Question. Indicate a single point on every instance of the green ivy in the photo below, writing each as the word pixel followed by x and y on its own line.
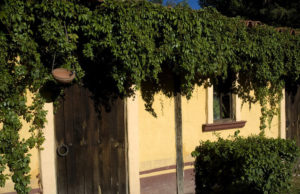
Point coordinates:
pixel 117 47
pixel 249 165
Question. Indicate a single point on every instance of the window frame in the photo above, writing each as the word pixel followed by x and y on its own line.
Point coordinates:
pixel 223 123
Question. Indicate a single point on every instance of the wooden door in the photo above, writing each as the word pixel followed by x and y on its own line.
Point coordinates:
pixel 293 116
pixel 91 147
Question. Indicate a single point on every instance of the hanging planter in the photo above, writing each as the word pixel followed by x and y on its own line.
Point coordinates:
pixel 63 75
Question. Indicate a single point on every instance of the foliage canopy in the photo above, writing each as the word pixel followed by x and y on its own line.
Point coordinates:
pixel 118 47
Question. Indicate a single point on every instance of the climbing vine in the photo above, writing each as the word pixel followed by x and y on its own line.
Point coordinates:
pixel 117 47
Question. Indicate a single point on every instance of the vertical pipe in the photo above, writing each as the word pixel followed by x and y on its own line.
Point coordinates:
pixel 178 134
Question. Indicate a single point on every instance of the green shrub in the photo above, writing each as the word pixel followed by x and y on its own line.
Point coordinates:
pixel 245 165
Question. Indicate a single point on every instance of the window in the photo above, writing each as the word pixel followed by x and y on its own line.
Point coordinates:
pixel 223 104
pixel 223 108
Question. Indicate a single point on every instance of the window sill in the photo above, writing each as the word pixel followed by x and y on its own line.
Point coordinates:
pixel 221 126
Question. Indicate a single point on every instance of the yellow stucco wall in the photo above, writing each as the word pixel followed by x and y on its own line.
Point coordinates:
pixel 157 135
pixel 34 163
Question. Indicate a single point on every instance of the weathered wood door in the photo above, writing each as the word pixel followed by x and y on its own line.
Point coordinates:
pixel 293 116
pixel 91 148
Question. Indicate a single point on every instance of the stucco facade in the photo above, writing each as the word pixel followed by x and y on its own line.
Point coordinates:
pixel 151 140
pixel 157 134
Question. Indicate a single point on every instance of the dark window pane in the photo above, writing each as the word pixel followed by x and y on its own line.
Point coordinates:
pixel 225 107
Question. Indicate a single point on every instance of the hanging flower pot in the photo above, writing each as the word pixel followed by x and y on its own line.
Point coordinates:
pixel 63 75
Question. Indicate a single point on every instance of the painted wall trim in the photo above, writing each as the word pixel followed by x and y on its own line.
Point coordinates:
pixel 165 168
pixel 210 98
pixel 282 131
pixel 238 107
pixel 165 183
pixel 48 154
pixel 133 144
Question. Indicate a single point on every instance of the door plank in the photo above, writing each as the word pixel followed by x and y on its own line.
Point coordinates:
pixel 71 161
pixel 80 113
pixel 61 161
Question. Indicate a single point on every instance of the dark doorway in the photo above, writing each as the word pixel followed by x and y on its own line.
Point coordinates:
pixel 293 116
pixel 91 147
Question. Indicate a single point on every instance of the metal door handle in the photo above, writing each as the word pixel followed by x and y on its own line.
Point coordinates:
pixel 62 150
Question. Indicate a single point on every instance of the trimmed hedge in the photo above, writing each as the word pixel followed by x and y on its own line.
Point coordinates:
pixel 254 164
